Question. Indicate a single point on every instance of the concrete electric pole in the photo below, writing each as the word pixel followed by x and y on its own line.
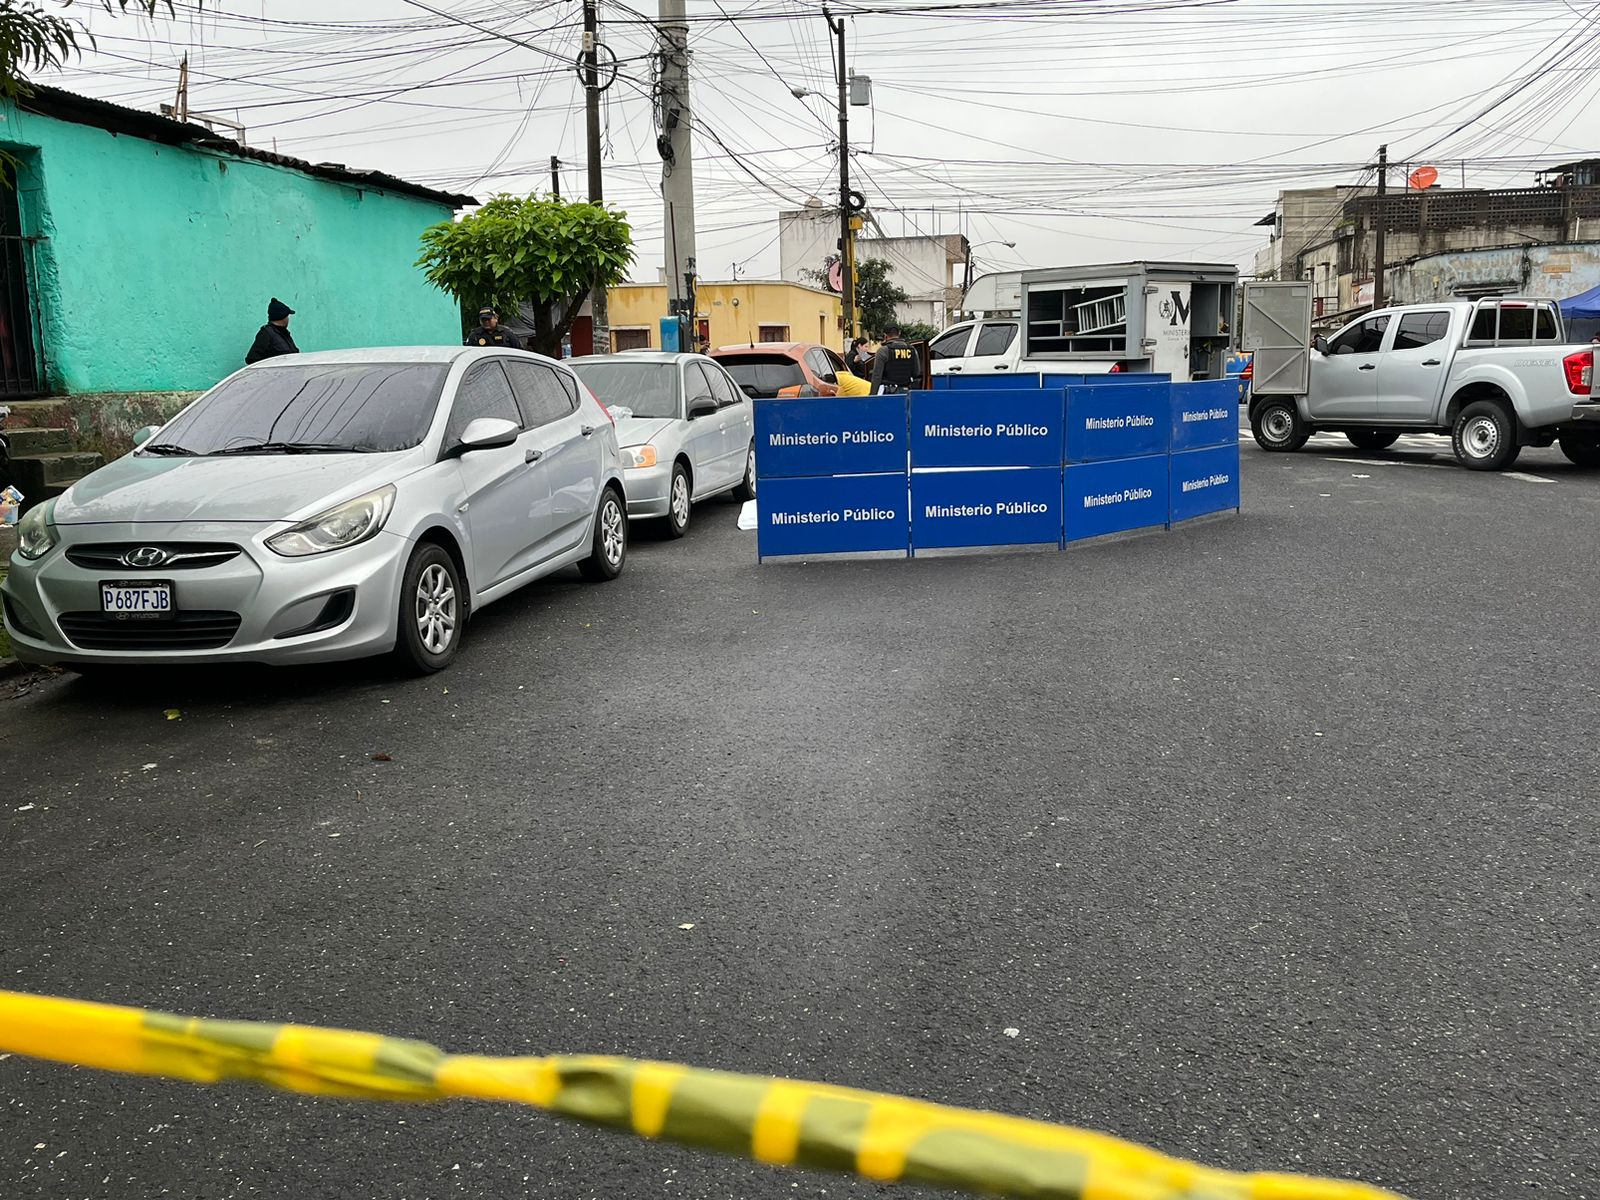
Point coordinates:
pixel 675 142
pixel 591 91
pixel 1378 241
pixel 847 240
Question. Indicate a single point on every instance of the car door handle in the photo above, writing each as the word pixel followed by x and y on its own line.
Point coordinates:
pixel 588 430
pixel 955 370
pixel 533 456
pixel 1003 367
pixel 1367 367
pixel 1430 362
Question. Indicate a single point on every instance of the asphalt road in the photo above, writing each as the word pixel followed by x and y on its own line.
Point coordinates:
pixel 1274 837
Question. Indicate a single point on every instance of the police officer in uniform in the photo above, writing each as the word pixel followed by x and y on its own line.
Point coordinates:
pixel 896 367
pixel 489 332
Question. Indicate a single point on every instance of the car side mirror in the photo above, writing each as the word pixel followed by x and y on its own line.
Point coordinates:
pixel 141 436
pixel 487 433
pixel 701 406
pixel 1321 345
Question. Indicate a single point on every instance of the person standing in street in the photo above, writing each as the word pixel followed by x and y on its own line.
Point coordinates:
pixel 491 333
pixel 273 339
pixel 858 358
pixel 896 367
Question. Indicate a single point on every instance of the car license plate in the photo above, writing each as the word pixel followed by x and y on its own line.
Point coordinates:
pixel 143 600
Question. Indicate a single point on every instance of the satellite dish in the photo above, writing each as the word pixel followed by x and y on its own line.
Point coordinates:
pixel 836 275
pixel 1424 177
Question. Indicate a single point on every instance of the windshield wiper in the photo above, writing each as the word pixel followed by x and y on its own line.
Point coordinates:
pixel 171 448
pixel 292 448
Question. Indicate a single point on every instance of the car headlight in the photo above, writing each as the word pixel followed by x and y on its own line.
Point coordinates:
pixel 349 524
pixel 638 456
pixel 36 536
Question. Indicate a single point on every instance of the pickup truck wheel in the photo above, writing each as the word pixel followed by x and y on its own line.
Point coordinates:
pixel 1277 426
pixel 1585 452
pixel 1373 439
pixel 1484 437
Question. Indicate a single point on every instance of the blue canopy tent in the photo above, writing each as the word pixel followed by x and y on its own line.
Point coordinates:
pixel 1581 315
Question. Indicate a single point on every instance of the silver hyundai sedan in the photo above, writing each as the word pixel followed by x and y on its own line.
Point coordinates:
pixel 325 506
pixel 686 429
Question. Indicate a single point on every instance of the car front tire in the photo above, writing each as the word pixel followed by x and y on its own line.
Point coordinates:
pixel 433 610
pixel 1277 427
pixel 610 550
pixel 680 502
pixel 747 487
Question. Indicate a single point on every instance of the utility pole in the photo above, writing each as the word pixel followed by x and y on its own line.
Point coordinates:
pixel 847 240
pixel 555 177
pixel 1378 246
pixel 674 141
pixel 591 90
pixel 180 104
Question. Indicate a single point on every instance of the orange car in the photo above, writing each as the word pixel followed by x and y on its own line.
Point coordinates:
pixel 782 370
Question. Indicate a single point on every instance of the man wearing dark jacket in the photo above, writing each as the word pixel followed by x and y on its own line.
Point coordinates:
pixel 273 339
pixel 896 366
pixel 491 333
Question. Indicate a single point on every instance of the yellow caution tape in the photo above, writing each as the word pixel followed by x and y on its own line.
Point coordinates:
pixel 779 1121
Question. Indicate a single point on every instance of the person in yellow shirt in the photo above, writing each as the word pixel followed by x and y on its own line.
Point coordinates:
pixel 853 385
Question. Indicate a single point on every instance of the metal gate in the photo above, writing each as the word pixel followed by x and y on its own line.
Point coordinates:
pixel 1277 331
pixel 20 377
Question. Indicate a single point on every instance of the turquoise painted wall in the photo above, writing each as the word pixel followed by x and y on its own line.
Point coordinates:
pixel 158 261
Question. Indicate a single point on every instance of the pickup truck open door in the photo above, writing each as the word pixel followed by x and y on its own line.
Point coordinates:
pixel 1277 331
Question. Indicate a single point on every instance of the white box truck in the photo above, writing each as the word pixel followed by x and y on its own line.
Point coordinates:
pixel 1173 318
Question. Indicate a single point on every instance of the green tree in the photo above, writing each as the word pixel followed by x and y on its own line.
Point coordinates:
pixel 536 250
pixel 32 39
pixel 918 331
pixel 877 294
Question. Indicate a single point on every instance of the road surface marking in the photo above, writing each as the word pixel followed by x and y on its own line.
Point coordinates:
pixel 1386 462
pixel 1525 477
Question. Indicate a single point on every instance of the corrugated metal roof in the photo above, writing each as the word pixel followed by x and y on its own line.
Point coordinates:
pixel 114 118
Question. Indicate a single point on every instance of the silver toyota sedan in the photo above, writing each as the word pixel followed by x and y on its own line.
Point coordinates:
pixel 325 506
pixel 687 432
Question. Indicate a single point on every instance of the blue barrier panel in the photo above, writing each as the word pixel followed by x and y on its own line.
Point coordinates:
pixel 1111 497
pixel 1017 507
pixel 832 515
pixel 1205 481
pixel 863 435
pixel 1205 414
pixel 1004 428
pixel 989 379
pixel 1110 379
pixel 1118 422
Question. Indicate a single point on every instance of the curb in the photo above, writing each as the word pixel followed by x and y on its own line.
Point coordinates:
pixel 10 667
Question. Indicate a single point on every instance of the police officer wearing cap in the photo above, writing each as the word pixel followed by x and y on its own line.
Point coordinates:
pixel 896 367
pixel 489 332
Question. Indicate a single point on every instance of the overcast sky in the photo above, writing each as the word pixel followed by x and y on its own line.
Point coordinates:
pixel 1082 130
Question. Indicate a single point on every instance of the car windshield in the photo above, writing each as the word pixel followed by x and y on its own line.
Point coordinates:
pixel 763 375
pixel 327 408
pixel 649 389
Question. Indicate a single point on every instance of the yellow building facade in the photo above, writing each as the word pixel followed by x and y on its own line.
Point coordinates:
pixel 728 314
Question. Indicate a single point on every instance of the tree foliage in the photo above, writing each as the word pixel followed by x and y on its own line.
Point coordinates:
pixel 877 295
pixel 536 250
pixel 919 331
pixel 33 39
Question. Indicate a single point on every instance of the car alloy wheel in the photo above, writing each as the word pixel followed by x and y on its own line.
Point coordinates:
pixel 680 500
pixel 750 471
pixel 613 533
pixel 436 609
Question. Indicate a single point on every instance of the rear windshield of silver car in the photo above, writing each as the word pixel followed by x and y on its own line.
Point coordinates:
pixel 331 407
pixel 649 389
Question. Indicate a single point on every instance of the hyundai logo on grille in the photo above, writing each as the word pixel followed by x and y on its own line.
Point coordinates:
pixel 145 557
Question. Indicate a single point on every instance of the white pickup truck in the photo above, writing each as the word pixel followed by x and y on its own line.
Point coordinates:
pixel 1492 375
